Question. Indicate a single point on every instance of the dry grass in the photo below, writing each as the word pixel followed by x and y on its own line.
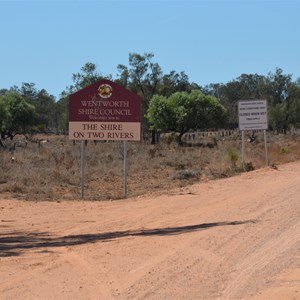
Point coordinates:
pixel 52 170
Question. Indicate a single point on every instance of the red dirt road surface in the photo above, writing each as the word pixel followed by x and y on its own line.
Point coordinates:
pixel 235 238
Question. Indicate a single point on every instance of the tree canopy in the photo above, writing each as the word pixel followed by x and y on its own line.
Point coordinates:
pixel 17 114
pixel 167 96
pixel 183 111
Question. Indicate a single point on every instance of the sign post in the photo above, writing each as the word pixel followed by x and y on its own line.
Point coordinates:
pixel 243 148
pixel 125 169
pixel 266 148
pixel 253 116
pixel 82 169
pixel 104 111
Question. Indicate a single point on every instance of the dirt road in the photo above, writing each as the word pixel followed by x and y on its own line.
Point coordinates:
pixel 236 238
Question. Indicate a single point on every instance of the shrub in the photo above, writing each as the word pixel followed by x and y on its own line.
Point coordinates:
pixel 232 156
pixel 284 150
pixel 185 174
pixel 249 166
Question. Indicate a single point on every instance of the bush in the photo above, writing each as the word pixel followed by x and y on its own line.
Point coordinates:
pixel 185 174
pixel 249 167
pixel 232 156
pixel 284 150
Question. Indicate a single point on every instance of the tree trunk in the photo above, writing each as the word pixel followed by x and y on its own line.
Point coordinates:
pixel 179 138
pixel 153 137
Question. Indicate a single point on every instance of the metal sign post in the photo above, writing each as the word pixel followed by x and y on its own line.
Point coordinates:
pixel 125 169
pixel 266 148
pixel 243 148
pixel 82 169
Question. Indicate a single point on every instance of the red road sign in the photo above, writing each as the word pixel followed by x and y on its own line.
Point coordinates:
pixel 104 111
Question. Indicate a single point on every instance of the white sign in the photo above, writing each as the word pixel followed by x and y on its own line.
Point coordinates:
pixel 129 131
pixel 253 115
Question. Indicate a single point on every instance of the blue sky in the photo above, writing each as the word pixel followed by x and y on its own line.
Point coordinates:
pixel 45 42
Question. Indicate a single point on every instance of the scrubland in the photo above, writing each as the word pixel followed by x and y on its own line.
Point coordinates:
pixel 47 167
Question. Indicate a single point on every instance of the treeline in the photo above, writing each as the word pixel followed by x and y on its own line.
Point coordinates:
pixel 166 99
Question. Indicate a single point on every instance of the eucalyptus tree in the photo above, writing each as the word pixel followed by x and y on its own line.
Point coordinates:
pixel 279 90
pixel 44 103
pixel 88 75
pixel 245 87
pixel 294 92
pixel 145 76
pixel 123 77
pixel 18 114
pixel 276 87
pixel 28 91
pixel 176 82
pixel 5 117
pixel 182 111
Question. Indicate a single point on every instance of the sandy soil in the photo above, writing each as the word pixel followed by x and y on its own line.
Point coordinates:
pixel 235 238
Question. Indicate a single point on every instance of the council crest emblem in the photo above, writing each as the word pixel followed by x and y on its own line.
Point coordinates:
pixel 105 90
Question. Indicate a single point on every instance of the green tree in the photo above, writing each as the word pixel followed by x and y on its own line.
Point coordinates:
pixel 28 91
pixel 3 92
pixel 278 90
pixel 245 87
pixel 45 108
pixel 21 115
pixel 294 104
pixel 62 114
pixel 123 76
pixel 88 75
pixel 43 103
pixel 5 117
pixel 285 115
pixel 145 76
pixel 276 87
pixel 175 82
pixel 276 117
pixel 184 111
pixel 142 77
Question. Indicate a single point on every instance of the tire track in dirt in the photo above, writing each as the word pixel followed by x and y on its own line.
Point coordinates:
pixel 78 270
pixel 187 265
pixel 262 257
pixel 87 269
pixel 263 211
pixel 276 216
pixel 35 269
pixel 144 271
